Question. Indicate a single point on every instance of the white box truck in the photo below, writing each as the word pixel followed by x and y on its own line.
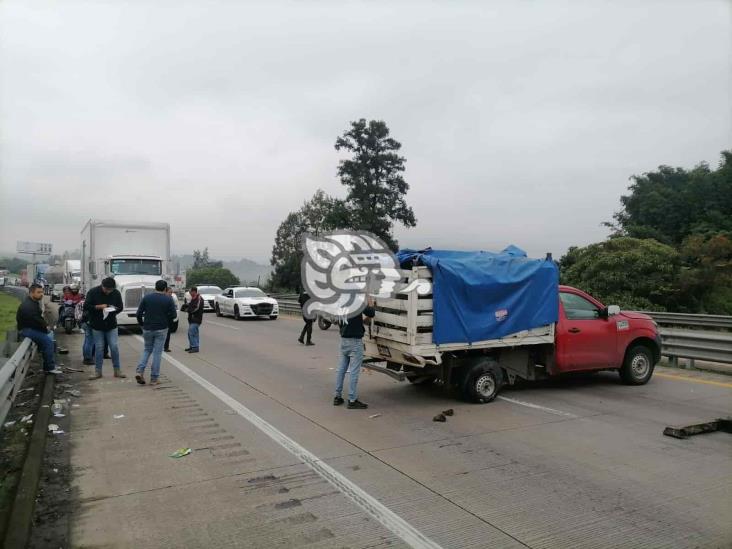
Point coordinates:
pixel 72 271
pixel 135 254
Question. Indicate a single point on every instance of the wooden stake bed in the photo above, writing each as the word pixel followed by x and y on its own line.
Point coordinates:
pixel 401 331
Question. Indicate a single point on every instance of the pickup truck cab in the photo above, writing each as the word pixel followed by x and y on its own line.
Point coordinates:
pixel 246 302
pixel 588 336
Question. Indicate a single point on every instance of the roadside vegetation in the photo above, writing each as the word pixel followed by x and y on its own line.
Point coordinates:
pixel 8 307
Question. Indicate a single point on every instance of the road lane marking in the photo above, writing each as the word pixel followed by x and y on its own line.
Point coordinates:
pixel 222 325
pixel 537 407
pixel 694 380
pixel 390 520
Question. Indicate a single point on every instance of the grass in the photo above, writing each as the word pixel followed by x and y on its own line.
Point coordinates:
pixel 8 307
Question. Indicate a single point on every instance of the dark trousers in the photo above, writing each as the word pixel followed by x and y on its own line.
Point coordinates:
pixel 172 327
pixel 307 329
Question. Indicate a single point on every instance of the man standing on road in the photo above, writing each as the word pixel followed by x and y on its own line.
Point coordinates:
pixel 308 328
pixel 351 356
pixel 195 318
pixel 155 313
pixel 32 325
pixel 102 305
pixel 173 326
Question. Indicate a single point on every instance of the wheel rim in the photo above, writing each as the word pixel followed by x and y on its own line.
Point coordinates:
pixel 485 385
pixel 640 366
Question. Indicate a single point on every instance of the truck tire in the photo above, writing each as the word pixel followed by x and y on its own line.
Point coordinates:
pixel 218 310
pixel 481 382
pixel 638 365
pixel 69 325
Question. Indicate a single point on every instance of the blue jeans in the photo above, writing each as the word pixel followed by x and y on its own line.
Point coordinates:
pixel 351 355
pixel 193 339
pixel 110 337
pixel 154 340
pixel 44 340
pixel 87 349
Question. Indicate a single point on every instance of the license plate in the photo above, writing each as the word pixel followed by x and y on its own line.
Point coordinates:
pixel 384 350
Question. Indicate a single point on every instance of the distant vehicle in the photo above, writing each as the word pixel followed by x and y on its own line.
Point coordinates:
pixel 57 292
pixel 245 302
pixel 208 293
pixel 72 271
pixel 136 254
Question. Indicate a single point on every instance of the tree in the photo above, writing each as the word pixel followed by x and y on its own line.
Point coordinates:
pixel 630 272
pixel 373 176
pixel 706 276
pixel 201 260
pixel 215 276
pixel 321 213
pixel 673 203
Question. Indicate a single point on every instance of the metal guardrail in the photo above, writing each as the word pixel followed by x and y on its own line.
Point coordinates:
pixel 12 374
pixel 678 320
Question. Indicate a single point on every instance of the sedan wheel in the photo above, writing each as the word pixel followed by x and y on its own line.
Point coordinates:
pixel 236 312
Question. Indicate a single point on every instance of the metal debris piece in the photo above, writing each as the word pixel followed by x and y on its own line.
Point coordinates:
pixel 686 431
pixel 440 417
pixel 181 452
pixel 374 415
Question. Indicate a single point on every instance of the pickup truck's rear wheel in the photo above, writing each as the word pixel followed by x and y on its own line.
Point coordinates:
pixel 236 312
pixel 638 366
pixel 481 382
pixel 218 310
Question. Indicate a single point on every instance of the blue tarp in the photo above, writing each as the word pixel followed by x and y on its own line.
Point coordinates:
pixel 484 295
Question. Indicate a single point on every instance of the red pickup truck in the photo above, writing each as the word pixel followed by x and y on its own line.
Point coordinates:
pixel 587 337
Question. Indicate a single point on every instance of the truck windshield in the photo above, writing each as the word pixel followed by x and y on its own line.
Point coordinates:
pixel 135 266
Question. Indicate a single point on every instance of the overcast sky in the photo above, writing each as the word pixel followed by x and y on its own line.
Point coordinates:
pixel 520 121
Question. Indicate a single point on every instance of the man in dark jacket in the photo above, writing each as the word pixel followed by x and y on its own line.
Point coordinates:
pixel 32 325
pixel 155 313
pixel 195 318
pixel 102 305
pixel 308 328
pixel 351 357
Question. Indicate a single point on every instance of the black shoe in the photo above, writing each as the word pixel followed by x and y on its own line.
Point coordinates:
pixel 337 401
pixel 167 350
pixel 107 357
pixel 187 349
pixel 300 340
pixel 88 362
pixel 194 350
pixel 140 379
pixel 357 405
pixel 309 343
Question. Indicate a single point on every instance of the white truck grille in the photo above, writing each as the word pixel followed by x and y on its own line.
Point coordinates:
pixel 131 297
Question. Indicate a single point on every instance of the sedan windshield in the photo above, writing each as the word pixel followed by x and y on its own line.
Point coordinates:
pixel 208 290
pixel 252 292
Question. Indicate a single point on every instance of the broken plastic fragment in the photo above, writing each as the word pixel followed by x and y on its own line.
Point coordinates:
pixel 9 424
pixel 118 416
pixel 53 427
pixel 374 415
pixel 181 452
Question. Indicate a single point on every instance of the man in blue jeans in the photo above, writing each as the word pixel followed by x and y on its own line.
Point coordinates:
pixel 155 313
pixel 102 304
pixel 351 356
pixel 32 325
pixel 195 318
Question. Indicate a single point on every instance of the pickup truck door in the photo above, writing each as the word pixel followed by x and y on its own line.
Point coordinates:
pixel 585 340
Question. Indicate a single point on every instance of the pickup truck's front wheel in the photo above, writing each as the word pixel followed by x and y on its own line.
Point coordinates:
pixel 637 368
pixel 481 382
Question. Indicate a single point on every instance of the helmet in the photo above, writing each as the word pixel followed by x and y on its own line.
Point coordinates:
pixel 74 288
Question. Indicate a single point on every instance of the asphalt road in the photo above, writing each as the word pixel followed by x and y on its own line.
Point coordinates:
pixel 574 463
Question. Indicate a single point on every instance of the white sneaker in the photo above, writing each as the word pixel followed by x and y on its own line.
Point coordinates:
pixel 55 371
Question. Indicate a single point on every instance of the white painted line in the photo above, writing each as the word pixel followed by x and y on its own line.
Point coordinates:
pixel 222 325
pixel 390 520
pixel 537 407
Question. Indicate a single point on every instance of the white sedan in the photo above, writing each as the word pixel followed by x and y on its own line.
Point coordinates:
pixel 208 293
pixel 244 302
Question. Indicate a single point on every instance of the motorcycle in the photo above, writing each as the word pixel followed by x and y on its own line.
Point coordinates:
pixel 67 316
